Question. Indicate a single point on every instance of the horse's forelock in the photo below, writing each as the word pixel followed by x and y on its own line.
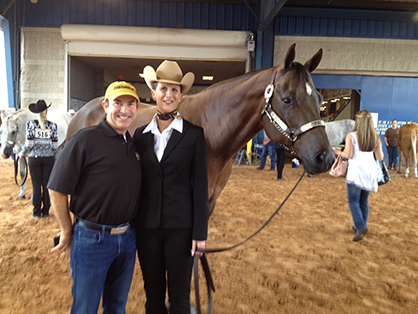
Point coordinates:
pixel 300 71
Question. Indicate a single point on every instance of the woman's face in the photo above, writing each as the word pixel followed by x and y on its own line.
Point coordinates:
pixel 43 114
pixel 167 96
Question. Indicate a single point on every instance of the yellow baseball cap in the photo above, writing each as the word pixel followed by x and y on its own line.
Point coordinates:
pixel 120 88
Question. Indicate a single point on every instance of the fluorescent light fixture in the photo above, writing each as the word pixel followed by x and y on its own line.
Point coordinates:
pixel 207 78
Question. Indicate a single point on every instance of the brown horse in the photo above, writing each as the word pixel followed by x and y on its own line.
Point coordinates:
pixel 407 145
pixel 234 111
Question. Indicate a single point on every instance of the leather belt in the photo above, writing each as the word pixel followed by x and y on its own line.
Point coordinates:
pixel 111 230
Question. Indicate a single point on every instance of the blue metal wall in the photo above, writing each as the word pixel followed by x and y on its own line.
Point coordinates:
pixel 346 27
pixel 390 97
pixel 221 16
pixel 197 15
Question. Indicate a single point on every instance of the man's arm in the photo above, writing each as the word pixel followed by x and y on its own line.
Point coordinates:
pixel 59 203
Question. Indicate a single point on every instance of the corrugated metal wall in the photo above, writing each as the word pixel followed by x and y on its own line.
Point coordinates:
pixel 197 15
pixel 201 15
pixel 346 27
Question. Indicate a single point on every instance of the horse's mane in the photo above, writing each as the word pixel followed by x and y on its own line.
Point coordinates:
pixel 236 80
pixel 299 69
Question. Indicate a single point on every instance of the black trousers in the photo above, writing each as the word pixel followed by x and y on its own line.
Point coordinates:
pixel 164 255
pixel 40 169
pixel 281 160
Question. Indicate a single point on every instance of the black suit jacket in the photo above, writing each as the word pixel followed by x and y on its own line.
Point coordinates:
pixel 175 190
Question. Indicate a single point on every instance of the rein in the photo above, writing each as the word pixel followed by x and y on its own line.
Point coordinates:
pixel 16 166
pixel 290 133
pixel 205 265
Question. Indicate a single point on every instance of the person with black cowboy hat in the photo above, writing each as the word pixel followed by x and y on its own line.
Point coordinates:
pixel 41 146
pixel 172 221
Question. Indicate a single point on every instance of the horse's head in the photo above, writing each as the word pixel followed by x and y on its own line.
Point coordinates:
pixel 293 115
pixel 9 134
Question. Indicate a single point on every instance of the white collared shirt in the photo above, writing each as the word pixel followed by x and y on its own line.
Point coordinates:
pixel 161 139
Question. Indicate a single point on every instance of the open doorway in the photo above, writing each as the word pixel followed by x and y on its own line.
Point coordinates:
pixel 339 104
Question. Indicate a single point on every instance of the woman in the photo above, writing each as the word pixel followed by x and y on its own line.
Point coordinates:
pixel 172 221
pixel 362 147
pixel 41 146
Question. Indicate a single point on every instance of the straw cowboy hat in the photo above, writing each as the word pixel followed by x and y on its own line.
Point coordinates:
pixel 169 72
pixel 39 107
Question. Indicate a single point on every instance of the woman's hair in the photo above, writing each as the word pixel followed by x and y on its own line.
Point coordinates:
pixel 42 119
pixel 155 84
pixel 366 133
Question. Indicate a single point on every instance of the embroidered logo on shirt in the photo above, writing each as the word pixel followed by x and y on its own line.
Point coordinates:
pixel 138 157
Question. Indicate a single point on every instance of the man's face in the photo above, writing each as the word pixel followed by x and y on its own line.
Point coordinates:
pixel 394 124
pixel 121 112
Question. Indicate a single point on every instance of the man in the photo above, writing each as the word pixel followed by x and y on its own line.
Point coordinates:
pixel 391 140
pixel 268 148
pixel 101 169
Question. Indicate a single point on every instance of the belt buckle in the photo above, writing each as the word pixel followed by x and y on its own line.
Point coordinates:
pixel 119 230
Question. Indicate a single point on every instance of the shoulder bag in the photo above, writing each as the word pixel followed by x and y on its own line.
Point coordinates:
pixel 339 168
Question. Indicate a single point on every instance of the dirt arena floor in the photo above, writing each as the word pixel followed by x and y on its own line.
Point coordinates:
pixel 304 261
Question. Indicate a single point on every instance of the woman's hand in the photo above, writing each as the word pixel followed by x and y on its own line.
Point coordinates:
pixel 337 150
pixel 198 246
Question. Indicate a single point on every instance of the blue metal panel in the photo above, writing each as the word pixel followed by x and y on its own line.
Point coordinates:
pixel 197 15
pixel 363 28
pixel 164 16
pixel 322 81
pixel 300 22
pixel 221 16
pixel 315 26
pixel 339 27
pixel 324 28
pixel 345 27
pixel 405 99
pixel 355 28
pixel 376 96
pixel 8 55
pixel 204 19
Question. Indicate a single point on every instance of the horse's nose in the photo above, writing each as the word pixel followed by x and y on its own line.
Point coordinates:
pixel 325 159
pixel 3 156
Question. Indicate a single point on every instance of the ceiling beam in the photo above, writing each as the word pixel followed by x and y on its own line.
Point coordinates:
pixel 266 20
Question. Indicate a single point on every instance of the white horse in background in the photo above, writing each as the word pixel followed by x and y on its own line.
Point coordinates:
pixel 13 134
pixel 338 130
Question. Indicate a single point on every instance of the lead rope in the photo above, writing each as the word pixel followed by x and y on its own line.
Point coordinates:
pixel 16 166
pixel 205 265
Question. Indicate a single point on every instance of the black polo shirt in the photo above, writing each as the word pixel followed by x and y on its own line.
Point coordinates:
pixel 102 173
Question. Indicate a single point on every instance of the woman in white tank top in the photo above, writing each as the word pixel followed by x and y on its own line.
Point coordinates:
pixel 362 147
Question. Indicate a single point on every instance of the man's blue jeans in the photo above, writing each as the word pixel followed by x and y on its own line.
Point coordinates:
pixel 393 156
pixel 269 148
pixel 358 201
pixel 102 265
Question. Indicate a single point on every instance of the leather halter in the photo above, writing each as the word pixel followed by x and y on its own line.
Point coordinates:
pixel 290 133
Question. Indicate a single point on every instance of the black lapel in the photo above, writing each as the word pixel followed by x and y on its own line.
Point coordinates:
pixel 149 142
pixel 174 139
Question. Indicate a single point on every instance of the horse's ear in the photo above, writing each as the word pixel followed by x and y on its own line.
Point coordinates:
pixel 314 61
pixel 290 56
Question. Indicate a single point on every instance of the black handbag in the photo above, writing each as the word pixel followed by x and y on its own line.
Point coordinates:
pixel 382 172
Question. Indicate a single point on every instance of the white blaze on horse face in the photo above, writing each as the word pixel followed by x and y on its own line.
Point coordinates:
pixel 308 89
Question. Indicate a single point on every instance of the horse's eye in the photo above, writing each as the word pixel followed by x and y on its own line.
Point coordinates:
pixel 287 101
pixel 13 132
